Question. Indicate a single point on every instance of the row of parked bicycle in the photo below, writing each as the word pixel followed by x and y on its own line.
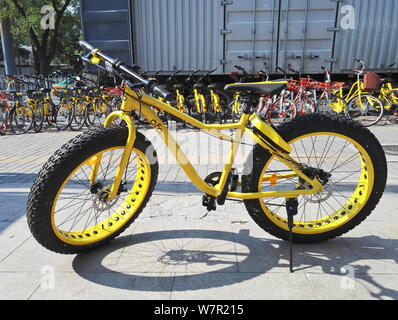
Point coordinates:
pixel 75 104
pixel 70 105
pixel 366 100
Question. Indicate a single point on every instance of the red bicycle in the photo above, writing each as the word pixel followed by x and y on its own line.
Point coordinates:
pixel 300 93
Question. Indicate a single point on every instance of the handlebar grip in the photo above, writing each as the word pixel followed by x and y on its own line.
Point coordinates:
pixel 162 92
pixel 86 45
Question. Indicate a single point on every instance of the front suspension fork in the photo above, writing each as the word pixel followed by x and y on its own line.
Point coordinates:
pixel 95 162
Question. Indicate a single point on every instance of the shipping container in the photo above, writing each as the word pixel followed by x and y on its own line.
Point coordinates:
pixel 107 25
pixel 303 35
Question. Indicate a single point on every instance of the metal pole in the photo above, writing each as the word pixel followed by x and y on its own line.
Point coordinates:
pixel 272 35
pixel 303 40
pixel 8 51
pixel 286 31
pixel 254 33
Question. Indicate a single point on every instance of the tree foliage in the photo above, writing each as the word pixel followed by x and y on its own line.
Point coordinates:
pixel 49 44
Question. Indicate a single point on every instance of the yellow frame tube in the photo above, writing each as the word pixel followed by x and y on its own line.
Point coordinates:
pixel 126 153
pixel 142 103
pixel 280 176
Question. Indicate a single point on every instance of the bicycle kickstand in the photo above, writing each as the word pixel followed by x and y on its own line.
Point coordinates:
pixel 291 208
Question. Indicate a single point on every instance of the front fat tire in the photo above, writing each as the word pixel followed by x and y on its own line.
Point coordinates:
pixel 56 172
pixel 276 224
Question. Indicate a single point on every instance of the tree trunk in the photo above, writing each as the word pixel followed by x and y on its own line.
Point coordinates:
pixel 36 60
pixel 44 65
pixel 42 62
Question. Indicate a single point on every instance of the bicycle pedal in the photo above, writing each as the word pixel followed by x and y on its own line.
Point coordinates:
pixel 209 202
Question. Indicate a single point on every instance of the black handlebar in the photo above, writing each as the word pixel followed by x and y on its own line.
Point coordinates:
pixel 361 63
pixel 281 70
pixel 292 70
pixel 211 71
pixel 150 85
pixel 241 69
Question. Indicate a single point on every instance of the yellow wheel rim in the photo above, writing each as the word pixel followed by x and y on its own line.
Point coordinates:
pixel 80 217
pixel 345 194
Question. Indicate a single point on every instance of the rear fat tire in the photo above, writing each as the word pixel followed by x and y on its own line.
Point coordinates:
pixel 300 126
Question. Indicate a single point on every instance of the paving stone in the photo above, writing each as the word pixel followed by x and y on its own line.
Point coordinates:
pixel 176 250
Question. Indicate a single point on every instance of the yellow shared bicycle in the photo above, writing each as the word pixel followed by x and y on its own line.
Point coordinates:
pixel 362 105
pixel 312 178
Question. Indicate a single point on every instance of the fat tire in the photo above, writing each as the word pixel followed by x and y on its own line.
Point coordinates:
pixel 310 123
pixel 56 170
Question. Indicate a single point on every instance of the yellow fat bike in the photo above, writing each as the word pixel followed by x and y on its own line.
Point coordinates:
pixel 313 178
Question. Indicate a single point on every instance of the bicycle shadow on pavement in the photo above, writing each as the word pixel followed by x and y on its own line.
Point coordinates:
pixel 13 197
pixel 16 177
pixel 185 260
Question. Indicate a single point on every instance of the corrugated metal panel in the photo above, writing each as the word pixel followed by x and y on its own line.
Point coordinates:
pixel 280 33
pixel 106 25
pixel 252 41
pixel 188 34
pixel 373 37
pixel 305 42
pixel 178 34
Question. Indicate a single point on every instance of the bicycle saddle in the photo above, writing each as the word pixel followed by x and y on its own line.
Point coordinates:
pixel 45 90
pixel 384 80
pixel 178 86
pixel 198 85
pixel 270 88
pixel 33 94
pixel 212 86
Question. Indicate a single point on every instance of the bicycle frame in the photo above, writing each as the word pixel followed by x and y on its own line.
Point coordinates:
pixel 383 95
pixel 355 91
pixel 180 101
pixel 199 98
pixel 235 108
pixel 142 103
pixel 215 101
